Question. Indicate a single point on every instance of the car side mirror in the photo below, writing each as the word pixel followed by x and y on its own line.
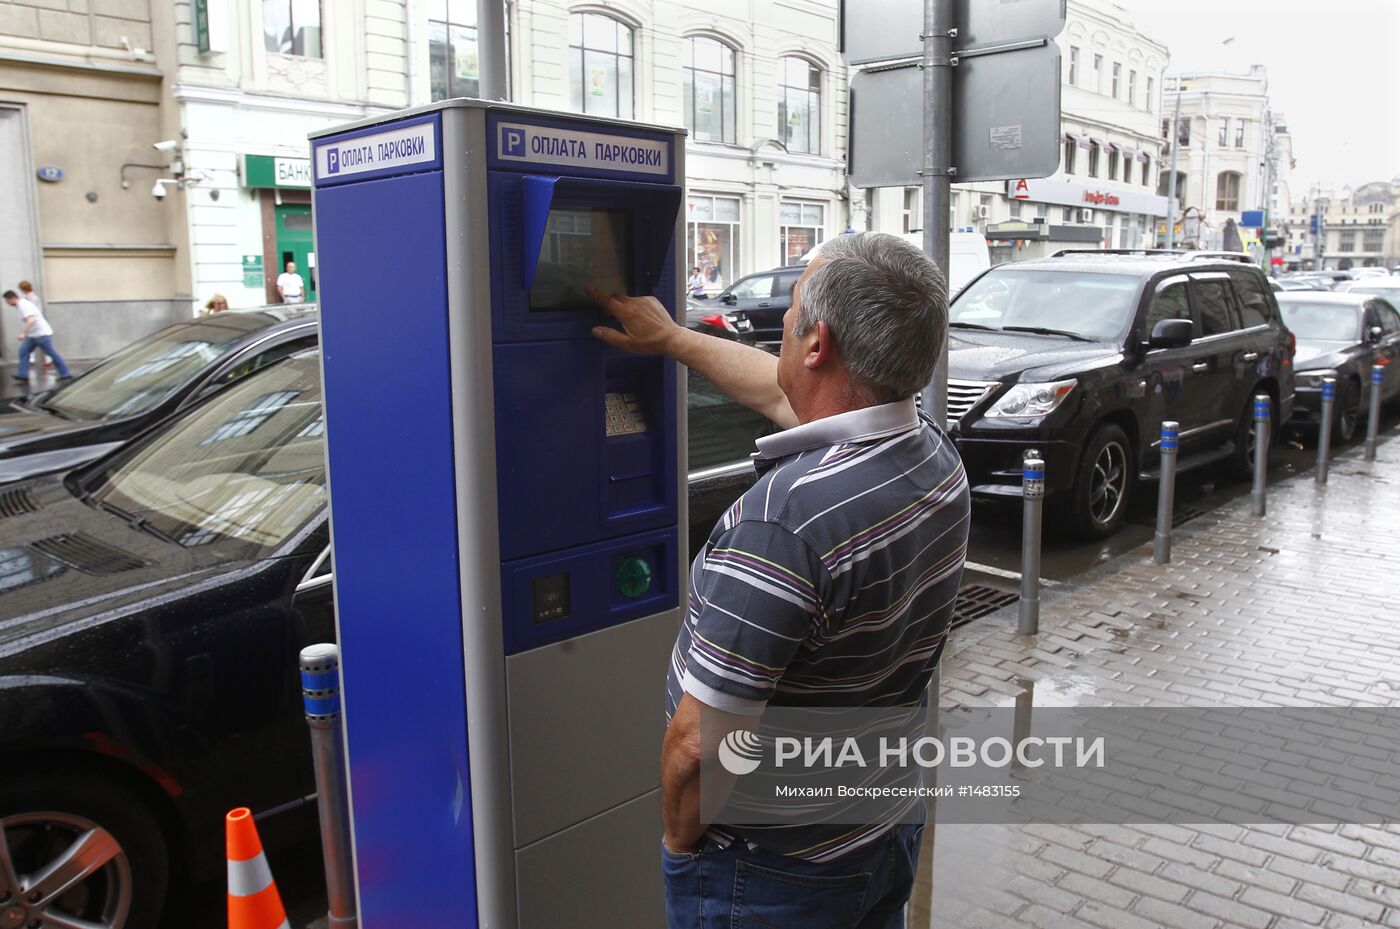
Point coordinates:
pixel 1172 333
pixel 729 298
pixel 1374 334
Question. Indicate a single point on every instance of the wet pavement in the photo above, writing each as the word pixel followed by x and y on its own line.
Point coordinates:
pixel 1296 609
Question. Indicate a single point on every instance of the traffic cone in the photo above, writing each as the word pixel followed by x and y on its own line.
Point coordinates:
pixel 253 901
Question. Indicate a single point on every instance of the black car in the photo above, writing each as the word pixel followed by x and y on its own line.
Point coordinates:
pixel 152 606
pixel 1341 336
pixel 718 320
pixel 146 381
pixel 1083 356
pixel 764 298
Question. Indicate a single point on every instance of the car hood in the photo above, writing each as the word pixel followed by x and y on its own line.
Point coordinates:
pixel 997 356
pixel 62 561
pixel 1319 353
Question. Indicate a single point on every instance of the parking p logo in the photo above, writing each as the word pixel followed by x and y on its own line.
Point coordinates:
pixel 333 161
pixel 512 142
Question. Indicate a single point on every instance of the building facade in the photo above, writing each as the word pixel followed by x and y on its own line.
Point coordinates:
pixel 1360 228
pixel 1104 193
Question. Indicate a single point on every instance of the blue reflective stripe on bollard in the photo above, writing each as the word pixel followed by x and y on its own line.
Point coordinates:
pixel 321 705
pixel 1033 474
pixel 320 680
pixel 1329 390
pixel 1377 374
pixel 1261 409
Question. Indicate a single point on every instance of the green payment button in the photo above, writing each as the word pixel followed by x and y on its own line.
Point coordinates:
pixel 633 576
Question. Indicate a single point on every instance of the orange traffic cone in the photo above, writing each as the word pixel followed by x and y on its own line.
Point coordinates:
pixel 253 901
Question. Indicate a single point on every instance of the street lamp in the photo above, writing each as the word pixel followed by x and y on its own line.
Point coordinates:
pixel 1176 144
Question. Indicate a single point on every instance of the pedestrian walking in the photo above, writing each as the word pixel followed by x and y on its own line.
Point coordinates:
pixel 217 304
pixel 290 287
pixel 26 290
pixel 697 283
pixel 829 584
pixel 35 333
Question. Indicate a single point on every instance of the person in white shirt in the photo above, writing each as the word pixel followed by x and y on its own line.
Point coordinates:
pixel 697 283
pixel 35 332
pixel 290 286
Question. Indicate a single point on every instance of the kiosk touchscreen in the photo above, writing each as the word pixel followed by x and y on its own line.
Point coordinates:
pixel 507 505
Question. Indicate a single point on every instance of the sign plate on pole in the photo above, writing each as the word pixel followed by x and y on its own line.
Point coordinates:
pixel 888 30
pixel 994 22
pixel 1006 120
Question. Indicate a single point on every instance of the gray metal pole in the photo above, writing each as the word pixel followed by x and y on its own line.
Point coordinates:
pixel 1373 421
pixel 320 689
pixel 1171 182
pixel 1324 429
pixel 938 152
pixel 491 48
pixel 1033 492
pixel 1262 422
pixel 1166 493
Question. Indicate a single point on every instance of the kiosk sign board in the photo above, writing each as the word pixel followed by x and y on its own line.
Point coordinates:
pixel 508 540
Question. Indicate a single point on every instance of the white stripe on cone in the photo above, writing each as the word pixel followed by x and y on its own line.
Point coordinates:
pixel 246 878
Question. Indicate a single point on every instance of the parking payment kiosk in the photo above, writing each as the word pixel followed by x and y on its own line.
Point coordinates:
pixel 507 506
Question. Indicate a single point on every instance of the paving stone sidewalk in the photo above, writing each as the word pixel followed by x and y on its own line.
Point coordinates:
pixel 1296 609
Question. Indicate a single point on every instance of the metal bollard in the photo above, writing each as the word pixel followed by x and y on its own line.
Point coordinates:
pixel 1324 434
pixel 1166 493
pixel 320 689
pixel 1033 491
pixel 1262 422
pixel 1373 422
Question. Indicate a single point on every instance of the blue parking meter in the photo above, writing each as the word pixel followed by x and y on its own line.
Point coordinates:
pixel 506 507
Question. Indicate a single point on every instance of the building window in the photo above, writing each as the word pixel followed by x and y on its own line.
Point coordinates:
pixel 1040 210
pixel 1098 74
pixel 1073 65
pixel 1227 191
pixel 1117 77
pixel 1094 159
pixel 801 227
pixel 1149 103
pixel 292 27
pixel 1239 133
pixel 1132 88
pixel 1112 163
pixel 1068 214
pixel 712 238
pixel 1183 132
pixel 1071 147
pixel 1127 168
pixel 454 67
pixel 1015 209
pixel 1147 172
pixel 800 105
pixel 1372 240
pixel 1346 241
pixel 600 65
pixel 708 71
pixel 1224 132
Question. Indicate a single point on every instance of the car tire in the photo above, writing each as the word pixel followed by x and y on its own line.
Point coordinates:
pixel 1241 461
pixel 1347 416
pixel 50 813
pixel 1098 501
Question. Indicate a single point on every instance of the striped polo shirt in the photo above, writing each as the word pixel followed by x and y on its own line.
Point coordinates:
pixel 829 583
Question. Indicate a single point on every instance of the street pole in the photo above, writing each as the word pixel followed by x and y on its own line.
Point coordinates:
pixel 1320 237
pixel 1171 182
pixel 938 152
pixel 491 48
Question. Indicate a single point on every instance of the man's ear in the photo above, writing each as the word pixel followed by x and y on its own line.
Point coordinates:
pixel 820 347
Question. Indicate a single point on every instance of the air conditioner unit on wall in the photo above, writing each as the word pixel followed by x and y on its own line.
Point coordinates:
pixel 1086 216
pixel 983 212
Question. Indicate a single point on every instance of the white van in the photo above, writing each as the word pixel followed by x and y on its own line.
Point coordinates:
pixel 967 254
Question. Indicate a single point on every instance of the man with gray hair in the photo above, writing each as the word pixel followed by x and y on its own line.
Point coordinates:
pixel 830 583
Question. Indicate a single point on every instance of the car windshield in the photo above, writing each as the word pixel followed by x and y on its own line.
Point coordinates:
pixel 1325 322
pixel 1087 304
pixel 145 372
pixel 247 467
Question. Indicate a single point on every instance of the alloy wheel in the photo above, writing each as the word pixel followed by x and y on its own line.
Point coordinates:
pixel 1108 482
pixel 61 871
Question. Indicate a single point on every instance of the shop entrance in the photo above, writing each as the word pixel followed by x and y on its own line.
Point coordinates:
pixel 295 243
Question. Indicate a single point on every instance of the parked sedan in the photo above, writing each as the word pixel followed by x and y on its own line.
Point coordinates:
pixel 764 298
pixel 1342 336
pixel 717 320
pixel 141 384
pixel 152 606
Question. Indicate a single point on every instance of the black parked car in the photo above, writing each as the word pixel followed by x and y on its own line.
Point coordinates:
pixel 764 298
pixel 146 381
pixel 152 606
pixel 1083 356
pixel 1341 335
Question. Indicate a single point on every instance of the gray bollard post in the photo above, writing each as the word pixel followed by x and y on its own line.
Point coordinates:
pixel 1324 429
pixel 1373 421
pixel 1262 422
pixel 1033 491
pixel 320 689
pixel 1166 493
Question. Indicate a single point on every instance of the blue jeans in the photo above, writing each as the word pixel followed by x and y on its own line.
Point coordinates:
pixel 44 343
pixel 742 888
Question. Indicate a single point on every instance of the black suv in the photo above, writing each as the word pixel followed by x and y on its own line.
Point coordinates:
pixel 1082 355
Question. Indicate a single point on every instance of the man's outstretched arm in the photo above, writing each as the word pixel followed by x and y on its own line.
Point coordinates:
pixel 746 375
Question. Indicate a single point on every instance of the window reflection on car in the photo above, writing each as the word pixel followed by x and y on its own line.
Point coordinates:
pixel 246 468
pixel 145 372
pixel 1076 303
pixel 1322 322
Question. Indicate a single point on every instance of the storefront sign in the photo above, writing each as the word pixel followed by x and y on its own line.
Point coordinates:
pixel 253 271
pixel 1068 193
pixel 275 171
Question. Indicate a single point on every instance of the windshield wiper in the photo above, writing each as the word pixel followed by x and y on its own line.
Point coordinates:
pixel 961 325
pixel 138 522
pixel 50 408
pixel 1041 330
